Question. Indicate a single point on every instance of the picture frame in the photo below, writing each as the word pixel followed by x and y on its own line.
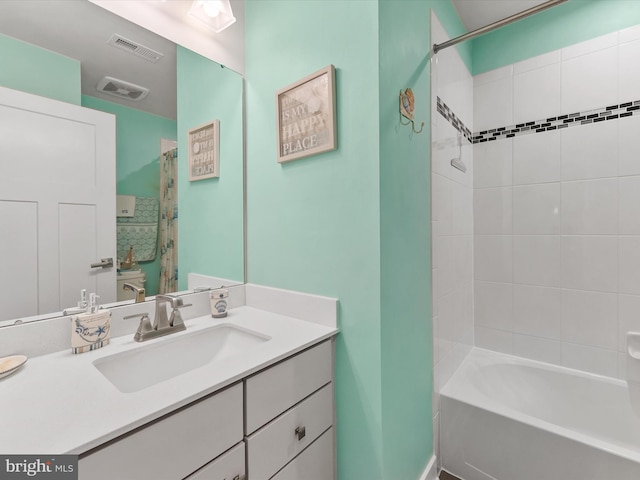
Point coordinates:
pixel 203 144
pixel 306 116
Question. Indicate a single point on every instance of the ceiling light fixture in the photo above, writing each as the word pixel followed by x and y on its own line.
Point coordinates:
pixel 215 14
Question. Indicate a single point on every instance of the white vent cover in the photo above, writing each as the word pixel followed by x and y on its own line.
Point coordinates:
pixel 122 89
pixel 130 46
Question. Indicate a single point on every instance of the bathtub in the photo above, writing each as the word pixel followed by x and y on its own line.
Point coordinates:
pixel 508 418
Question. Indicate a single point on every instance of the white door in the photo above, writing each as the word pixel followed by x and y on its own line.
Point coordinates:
pixel 57 204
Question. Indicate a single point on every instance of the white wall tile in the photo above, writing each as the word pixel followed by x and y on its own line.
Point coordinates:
pixel 536 209
pixel 535 348
pixel 494 305
pixel 590 151
pixel 539 61
pixel 493 164
pixel 462 259
pixel 629 146
pixel 590 263
pixel 493 104
pixel 493 75
pixel 590 359
pixel 590 81
pixel 492 211
pixel 629 71
pixel 441 203
pixel 629 265
pixel 629 34
pixel 629 206
pixel 590 207
pixel 536 260
pixel 590 318
pixel 492 256
pixel 536 94
pixel 628 318
pixel 593 45
pixel 537 311
pixel 461 209
pixel 496 340
pixel 536 158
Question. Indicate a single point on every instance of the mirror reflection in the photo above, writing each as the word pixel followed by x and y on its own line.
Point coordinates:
pixel 160 228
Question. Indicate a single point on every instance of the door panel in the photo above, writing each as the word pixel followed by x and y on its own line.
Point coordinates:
pixel 60 159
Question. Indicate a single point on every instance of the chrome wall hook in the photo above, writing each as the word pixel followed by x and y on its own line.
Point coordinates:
pixel 406 109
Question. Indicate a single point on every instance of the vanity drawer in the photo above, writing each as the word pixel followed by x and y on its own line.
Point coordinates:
pixel 315 463
pixel 172 447
pixel 229 466
pixel 271 392
pixel 277 443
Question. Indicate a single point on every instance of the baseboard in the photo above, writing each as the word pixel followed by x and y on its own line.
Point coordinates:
pixel 431 470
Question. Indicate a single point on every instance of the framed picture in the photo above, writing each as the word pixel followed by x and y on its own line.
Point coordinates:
pixel 204 151
pixel 306 116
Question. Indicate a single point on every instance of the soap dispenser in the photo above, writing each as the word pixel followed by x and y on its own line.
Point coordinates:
pixel 90 330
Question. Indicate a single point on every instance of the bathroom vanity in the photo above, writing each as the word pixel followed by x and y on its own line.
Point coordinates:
pixel 249 396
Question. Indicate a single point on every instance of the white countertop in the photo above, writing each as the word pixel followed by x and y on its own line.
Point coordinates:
pixel 60 403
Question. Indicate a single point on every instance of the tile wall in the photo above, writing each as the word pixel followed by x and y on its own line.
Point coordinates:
pixel 556 211
pixel 452 214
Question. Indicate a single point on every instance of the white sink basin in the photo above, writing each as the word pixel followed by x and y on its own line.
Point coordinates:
pixel 169 357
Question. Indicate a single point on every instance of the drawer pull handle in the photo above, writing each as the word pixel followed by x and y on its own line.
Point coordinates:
pixel 301 432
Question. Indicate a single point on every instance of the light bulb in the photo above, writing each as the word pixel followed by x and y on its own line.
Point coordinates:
pixel 211 8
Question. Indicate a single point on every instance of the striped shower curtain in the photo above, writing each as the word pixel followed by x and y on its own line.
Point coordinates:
pixel 168 222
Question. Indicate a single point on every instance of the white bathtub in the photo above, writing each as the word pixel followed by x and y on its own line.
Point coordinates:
pixel 508 418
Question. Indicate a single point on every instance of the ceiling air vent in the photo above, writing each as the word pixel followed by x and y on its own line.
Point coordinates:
pixel 130 46
pixel 122 89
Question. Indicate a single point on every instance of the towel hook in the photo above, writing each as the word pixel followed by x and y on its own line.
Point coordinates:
pixel 406 109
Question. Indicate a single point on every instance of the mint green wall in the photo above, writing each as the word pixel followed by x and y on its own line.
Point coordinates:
pixel 406 340
pixel 558 27
pixel 138 137
pixel 211 232
pixel 35 70
pixel 313 224
pixel 353 223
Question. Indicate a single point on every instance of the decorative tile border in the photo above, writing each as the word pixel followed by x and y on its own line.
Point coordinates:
pixel 451 117
pixel 610 112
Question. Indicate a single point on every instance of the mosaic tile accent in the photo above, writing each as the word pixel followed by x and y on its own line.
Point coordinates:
pixel 603 114
pixel 451 117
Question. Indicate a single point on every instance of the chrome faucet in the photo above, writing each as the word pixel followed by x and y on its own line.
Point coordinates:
pixel 163 325
pixel 140 292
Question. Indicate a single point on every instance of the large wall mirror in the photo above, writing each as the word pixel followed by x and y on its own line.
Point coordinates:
pixel 166 226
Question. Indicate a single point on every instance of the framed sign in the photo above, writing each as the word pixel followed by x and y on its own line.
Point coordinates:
pixel 306 116
pixel 204 151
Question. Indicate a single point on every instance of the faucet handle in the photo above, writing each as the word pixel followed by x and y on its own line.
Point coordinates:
pixel 145 325
pixel 176 316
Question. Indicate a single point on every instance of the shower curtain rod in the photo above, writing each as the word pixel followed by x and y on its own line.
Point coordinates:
pixel 500 23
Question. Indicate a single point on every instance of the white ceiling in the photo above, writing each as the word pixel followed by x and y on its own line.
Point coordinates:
pixel 479 13
pixel 80 29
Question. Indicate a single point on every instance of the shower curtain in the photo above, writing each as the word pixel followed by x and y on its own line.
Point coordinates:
pixel 168 222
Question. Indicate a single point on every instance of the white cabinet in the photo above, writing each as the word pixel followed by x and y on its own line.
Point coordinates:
pixel 314 463
pixel 272 391
pixel 288 406
pixel 174 446
pixel 229 466
pixel 277 423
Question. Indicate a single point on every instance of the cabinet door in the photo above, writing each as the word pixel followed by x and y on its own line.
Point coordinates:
pixel 271 392
pixel 229 466
pixel 277 443
pixel 174 446
pixel 315 463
